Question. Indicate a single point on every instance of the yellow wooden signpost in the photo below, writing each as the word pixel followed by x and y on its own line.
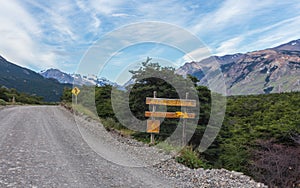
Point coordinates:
pixel 171 102
pixel 153 125
pixel 75 91
pixel 183 115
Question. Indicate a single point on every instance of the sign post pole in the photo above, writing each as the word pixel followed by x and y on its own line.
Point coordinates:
pixel 184 123
pixel 152 141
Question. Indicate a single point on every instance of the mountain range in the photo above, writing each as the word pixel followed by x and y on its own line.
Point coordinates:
pixel 76 79
pixel 48 84
pixel 271 70
pixel 30 82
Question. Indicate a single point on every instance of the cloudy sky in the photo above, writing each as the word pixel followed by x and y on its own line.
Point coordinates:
pixel 56 34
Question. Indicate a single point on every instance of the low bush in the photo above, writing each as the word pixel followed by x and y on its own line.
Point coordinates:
pixel 110 123
pixel 2 102
pixel 190 158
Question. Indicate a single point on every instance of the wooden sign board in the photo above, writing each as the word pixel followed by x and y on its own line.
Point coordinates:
pixel 153 126
pixel 170 115
pixel 171 102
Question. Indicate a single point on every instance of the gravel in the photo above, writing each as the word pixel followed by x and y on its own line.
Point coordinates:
pixel 47 146
pixel 183 176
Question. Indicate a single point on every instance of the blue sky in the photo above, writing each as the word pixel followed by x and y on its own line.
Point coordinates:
pixel 57 34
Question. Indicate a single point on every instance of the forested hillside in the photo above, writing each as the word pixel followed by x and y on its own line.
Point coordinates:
pixel 27 81
pixel 260 136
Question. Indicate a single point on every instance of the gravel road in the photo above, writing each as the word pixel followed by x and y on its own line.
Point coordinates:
pixel 40 146
pixel 47 146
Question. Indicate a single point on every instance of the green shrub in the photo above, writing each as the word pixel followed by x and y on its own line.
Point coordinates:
pixel 2 102
pixel 168 148
pixel 190 158
pixel 110 123
pixel 143 137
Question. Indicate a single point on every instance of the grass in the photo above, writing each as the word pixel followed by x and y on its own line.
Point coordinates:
pixel 127 132
pixel 2 102
pixel 190 158
pixel 85 111
pixel 168 148
pixel 108 123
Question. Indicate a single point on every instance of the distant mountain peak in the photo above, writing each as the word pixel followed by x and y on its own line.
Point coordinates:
pixel 264 71
pixel 60 76
pixel 76 79
pixel 290 46
pixel 51 69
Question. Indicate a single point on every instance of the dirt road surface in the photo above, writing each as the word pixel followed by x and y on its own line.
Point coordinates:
pixel 40 146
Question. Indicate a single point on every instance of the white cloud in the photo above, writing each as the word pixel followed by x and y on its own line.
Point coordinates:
pixel 229 46
pixel 19 37
pixel 120 15
pixel 231 12
pixel 277 34
pixel 54 18
pixel 171 11
pixel 197 55
pixel 87 8
pixel 105 7
pixel 12 15
pixel 262 38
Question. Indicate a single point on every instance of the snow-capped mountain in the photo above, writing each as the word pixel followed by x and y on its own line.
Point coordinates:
pixel 76 79
pixel 56 74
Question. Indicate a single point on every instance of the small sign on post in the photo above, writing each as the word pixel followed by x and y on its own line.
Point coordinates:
pixel 75 92
pixel 153 126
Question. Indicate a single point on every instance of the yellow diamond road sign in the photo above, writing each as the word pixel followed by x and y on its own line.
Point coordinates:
pixel 76 91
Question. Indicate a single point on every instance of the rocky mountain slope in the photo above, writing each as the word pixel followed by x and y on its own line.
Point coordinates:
pixel 76 79
pixel 28 81
pixel 265 71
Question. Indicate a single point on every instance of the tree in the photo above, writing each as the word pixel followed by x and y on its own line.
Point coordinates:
pixel 153 77
pixel 148 78
pixel 103 101
pixel 194 79
pixel 66 95
pixel 3 94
